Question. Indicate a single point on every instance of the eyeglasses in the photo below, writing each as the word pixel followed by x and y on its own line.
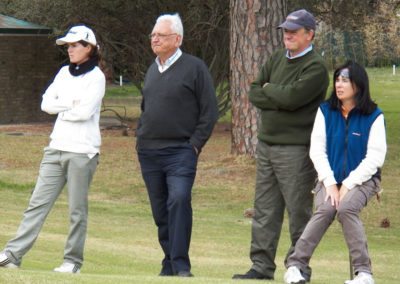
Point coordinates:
pixel 161 36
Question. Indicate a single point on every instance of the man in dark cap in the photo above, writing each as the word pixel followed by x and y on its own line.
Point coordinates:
pixel 288 90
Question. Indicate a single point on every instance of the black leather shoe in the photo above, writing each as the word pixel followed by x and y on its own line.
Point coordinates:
pixel 184 274
pixel 166 271
pixel 252 274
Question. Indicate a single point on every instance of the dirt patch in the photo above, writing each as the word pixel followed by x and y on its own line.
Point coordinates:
pixel 27 129
pixel 107 129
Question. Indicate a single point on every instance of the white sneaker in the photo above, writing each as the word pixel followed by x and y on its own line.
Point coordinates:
pixel 293 276
pixel 5 262
pixel 361 278
pixel 68 267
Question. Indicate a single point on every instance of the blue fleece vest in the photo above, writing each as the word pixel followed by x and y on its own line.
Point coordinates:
pixel 346 140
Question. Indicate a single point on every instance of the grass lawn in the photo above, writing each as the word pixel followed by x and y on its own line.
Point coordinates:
pixel 122 245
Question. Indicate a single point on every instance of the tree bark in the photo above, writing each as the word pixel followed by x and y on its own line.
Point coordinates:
pixel 254 36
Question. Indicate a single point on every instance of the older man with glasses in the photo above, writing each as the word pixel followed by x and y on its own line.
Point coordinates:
pixel 179 110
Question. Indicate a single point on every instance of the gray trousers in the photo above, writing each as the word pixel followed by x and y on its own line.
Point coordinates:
pixel 285 179
pixel 348 215
pixel 56 169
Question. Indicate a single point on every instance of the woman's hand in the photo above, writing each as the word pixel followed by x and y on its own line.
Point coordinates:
pixel 332 192
pixel 343 191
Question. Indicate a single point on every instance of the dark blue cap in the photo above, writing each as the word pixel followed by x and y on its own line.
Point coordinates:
pixel 297 20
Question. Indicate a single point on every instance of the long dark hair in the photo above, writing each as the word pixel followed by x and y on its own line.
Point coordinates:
pixel 94 53
pixel 359 77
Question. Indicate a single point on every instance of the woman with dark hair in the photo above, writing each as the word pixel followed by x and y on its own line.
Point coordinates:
pixel 348 148
pixel 72 155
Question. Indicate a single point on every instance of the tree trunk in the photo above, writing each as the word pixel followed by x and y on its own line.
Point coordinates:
pixel 253 38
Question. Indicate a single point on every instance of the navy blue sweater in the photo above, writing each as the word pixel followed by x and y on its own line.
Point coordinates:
pixel 178 106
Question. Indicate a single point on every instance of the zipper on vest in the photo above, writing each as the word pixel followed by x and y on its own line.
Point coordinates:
pixel 346 141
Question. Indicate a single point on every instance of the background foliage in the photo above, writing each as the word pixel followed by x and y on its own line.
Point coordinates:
pixel 123 27
pixel 364 30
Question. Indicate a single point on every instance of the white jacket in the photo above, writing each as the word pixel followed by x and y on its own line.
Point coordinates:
pixel 77 101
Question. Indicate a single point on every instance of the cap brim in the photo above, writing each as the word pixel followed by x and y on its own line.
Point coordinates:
pixel 289 26
pixel 67 39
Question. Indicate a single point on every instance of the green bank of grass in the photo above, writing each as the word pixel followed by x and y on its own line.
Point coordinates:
pixel 126 90
pixel 122 101
pixel 122 245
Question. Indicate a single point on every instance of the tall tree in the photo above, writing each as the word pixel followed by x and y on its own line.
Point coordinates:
pixel 254 37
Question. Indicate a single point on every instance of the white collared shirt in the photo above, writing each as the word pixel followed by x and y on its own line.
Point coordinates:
pixel 304 52
pixel 169 61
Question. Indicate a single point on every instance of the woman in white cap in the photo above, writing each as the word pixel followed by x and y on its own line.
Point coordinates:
pixel 72 155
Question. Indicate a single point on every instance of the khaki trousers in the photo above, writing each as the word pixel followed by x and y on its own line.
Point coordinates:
pixel 285 179
pixel 348 215
pixel 57 169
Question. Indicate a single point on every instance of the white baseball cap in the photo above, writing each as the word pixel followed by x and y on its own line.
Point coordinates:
pixel 76 34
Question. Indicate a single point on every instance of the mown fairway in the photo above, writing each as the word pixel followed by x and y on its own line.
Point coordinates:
pixel 122 245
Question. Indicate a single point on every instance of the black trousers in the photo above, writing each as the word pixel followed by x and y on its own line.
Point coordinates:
pixel 169 175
